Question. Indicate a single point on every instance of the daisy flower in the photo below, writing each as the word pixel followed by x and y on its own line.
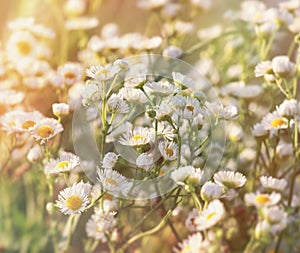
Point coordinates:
pixel 28 24
pixel 263 68
pixel 117 105
pixel 110 30
pixel 169 150
pixel 91 93
pixel 211 191
pixel 113 182
pixel 162 87
pixel 149 43
pixel 190 108
pixel 109 160
pixel 259 131
pixel 22 44
pixel 262 199
pixel 71 72
pixel 132 95
pixel 271 183
pixel 282 66
pixel 19 122
pixel 11 97
pixel 137 137
pixel 121 64
pixel 224 112
pixel 229 179
pixel 187 175
pixel 93 231
pixel 164 110
pixel 100 224
pixel 81 23
pixel 165 130
pixel 46 129
pixel 274 214
pixel 106 220
pixel 288 108
pixel 74 199
pixel 102 73
pixel 182 27
pixel 60 109
pixel 247 92
pixel 273 122
pixel 210 32
pixel 66 162
pixel 135 81
pixel 264 228
pixel 145 161
pixel 194 243
pixel 210 216
pixel 182 80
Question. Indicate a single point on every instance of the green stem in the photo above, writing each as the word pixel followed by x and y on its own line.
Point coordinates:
pixel 148 232
pixel 203 44
pixel 68 242
pixel 255 166
pixel 281 89
pixel 196 201
pixel 66 179
pixel 161 202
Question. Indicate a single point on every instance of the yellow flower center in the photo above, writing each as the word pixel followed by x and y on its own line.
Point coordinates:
pixel 102 72
pixel 139 138
pixel 2 109
pixel 190 108
pixel 24 47
pixel 262 199
pixel 279 122
pixel 186 249
pixel 45 131
pixel 169 151
pixel 70 75
pixel 28 124
pixel 62 164
pixel 210 215
pixel 73 202
pixel 112 181
pixel 192 181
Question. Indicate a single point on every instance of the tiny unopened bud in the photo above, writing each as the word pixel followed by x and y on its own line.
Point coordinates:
pixel 34 154
pixel 60 109
pixel 150 113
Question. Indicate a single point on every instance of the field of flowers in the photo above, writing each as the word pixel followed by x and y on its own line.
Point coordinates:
pixel 172 127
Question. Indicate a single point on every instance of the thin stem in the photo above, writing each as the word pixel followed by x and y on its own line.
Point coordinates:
pixel 196 201
pixel 70 233
pixel 148 232
pixel 255 166
pixel 152 210
pixel 278 83
pixel 203 44
pixel 66 179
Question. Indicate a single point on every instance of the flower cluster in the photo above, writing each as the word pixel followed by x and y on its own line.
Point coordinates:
pixel 168 135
